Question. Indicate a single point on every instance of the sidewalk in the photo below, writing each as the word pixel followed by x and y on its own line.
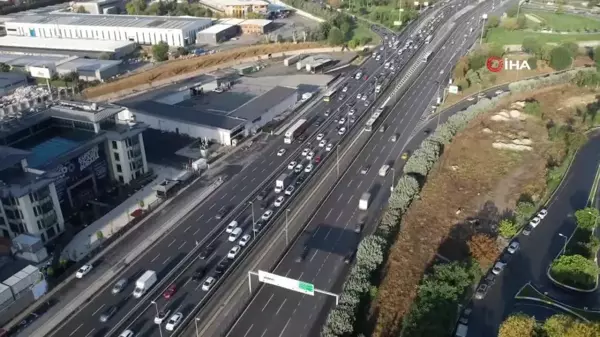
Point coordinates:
pixel 117 256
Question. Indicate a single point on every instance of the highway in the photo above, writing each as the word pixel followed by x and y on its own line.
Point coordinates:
pixel 330 234
pixel 202 227
pixel 539 249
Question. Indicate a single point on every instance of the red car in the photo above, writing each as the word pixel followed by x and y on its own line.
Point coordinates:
pixel 317 159
pixel 170 291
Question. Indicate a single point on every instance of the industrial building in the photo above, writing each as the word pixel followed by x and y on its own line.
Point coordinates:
pixel 55 46
pixel 216 34
pixel 9 82
pixel 45 66
pixel 101 6
pixel 314 63
pixel 145 30
pixel 251 26
pixel 238 8
pixel 55 159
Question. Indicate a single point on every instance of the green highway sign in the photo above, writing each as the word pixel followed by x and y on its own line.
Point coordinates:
pixel 307 288
pixel 287 283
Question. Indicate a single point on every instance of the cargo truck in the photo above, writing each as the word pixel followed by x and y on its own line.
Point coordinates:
pixel 145 282
pixel 281 183
pixel 363 203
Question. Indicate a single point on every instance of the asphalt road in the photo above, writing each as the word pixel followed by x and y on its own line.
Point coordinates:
pixel 200 225
pixel 539 249
pixel 330 235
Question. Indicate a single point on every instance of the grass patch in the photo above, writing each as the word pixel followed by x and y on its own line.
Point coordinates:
pixel 361 31
pixel 530 291
pixel 508 37
pixel 565 22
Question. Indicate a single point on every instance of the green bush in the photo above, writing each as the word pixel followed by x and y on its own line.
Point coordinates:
pixel 575 270
pixel 560 58
pixel 587 218
pixel 507 228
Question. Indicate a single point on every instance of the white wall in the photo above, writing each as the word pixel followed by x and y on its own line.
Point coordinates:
pixel 196 131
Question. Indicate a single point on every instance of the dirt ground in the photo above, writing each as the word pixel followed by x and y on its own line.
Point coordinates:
pixel 178 67
pixel 472 180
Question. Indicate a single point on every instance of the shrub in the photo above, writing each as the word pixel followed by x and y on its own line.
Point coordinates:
pixel 587 218
pixel 560 58
pixel 575 270
pixel 508 228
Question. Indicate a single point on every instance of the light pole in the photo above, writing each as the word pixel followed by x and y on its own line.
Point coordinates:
pixel 157 314
pixel 287 210
pixel 253 229
pixel 196 323
pixel 337 159
pixel 483 18
pixel 393 179
pixel 565 245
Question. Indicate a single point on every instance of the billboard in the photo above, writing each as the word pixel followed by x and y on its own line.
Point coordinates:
pixel 42 72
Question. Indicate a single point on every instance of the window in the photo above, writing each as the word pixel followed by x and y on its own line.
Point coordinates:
pixel 119 169
pixel 35 211
pixel 121 179
pixel 117 158
pixel 114 144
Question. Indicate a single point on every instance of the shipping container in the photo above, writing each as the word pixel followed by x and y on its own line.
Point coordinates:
pixel 6 296
pixel 23 280
pixel 293 59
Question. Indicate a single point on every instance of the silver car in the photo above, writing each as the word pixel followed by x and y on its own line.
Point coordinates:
pixel 119 286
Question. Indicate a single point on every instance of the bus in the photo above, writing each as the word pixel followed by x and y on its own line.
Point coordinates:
pixel 427 56
pixel 329 94
pixel 296 130
pixel 373 119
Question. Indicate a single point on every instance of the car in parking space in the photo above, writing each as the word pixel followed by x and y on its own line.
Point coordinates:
pixel 305 152
pixel 359 95
pixel 351 112
pixel 160 317
pixel 84 270
pixel 267 215
pixel 291 165
pixel 358 228
pixel 207 251
pixel 329 147
pixel 263 194
pixel 279 201
pixel 300 179
pixel 344 89
pixel 535 221
pixel 349 257
pixel 310 155
pixel 289 190
pixel 320 136
pixel 393 138
pixel 170 291
pixel 127 333
pixel 341 97
pixel 498 92
pixel 498 267
pixel 327 112
pixel 367 103
pixel 235 234
pixel 527 230
pixel 298 168
pixel 174 321
pixel 513 247
pixel 198 274
pixel 308 168
pixel 542 213
pixel 108 314
pixel 233 252
pixel 481 291
pixel 341 131
pixel 364 97
pixel 119 286
pixel 281 152
pixel 209 282
pixel 322 143
pixel 352 120
pixel 244 240
pixel 342 121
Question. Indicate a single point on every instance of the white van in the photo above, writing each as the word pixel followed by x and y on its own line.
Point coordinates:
pixel 235 234
pixel 384 170
pixel 232 225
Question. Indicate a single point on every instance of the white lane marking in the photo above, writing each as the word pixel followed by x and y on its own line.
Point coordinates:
pixel 254 169
pixel 100 308
pixel 233 197
pixel 315 232
pixel 74 331
pixel 338 217
pixel 328 213
pixel 263 170
pixel 196 232
pixel 172 242
pixel 200 217
pixel 326 235
pixel 281 306
pixel 263 309
pixel 187 229
pixel 285 327
pixel 340 196
pixel 223 196
pixel 212 206
pixel 89 333
pixel 359 183
pixel 167 260
pixel 350 199
pixel 315 254
pixel 252 180
pixel 156 257
pixel 248 331
pixel 181 246
pixel 264 333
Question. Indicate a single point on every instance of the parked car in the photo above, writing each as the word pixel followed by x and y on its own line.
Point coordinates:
pixel 84 270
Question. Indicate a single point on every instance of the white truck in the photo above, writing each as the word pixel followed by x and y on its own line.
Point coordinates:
pixel 145 282
pixel 281 183
pixel 363 203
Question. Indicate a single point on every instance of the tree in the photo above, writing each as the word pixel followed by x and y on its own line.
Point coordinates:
pixel 512 11
pixel 82 10
pixel 483 248
pixel 335 37
pixel 253 15
pixel 160 51
pixel 99 235
pixel 518 325
pixel 572 47
pixel 105 56
pixel 557 325
pixel 477 61
pixel 136 7
pixel 560 58
pixel 587 218
pixel 493 21
pixel 597 57
pixel 4 68
pixel 461 68
pixel 545 52
pixel 507 228
pixel 531 45
pixel 323 31
pixel 575 270
pixel 532 61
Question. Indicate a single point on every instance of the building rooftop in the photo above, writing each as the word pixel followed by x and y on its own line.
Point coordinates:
pixel 188 115
pixel 62 44
pixel 10 156
pixel 223 3
pixel 83 65
pixel 107 20
pixel 23 61
pixel 259 105
pixel 256 22
pixel 232 21
pixel 215 29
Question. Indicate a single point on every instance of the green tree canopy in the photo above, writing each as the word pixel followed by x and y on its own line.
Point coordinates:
pixel 518 325
pixel 136 7
pixel 335 37
pixel 560 58
pixel 160 51
pixel 575 270
pixel 4 68
pixel 531 45
pixel 587 218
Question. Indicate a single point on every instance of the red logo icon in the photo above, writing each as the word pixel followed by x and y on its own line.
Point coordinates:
pixel 495 64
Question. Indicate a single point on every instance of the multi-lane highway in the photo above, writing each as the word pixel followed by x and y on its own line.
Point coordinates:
pixel 318 256
pixel 201 226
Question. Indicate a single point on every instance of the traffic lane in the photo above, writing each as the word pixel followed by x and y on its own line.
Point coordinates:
pixel 541 246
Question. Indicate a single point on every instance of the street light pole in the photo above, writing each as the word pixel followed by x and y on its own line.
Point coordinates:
pixel 157 313
pixel 287 210
pixel 482 28
pixel 565 245
pixel 196 323
pixel 337 161
pixel 253 222
pixel 393 179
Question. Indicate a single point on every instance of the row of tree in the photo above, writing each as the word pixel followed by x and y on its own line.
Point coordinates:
pixel 521 325
pixel 577 266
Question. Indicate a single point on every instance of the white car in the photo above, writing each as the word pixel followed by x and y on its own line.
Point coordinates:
pixel 233 252
pixel 174 321
pixel 513 247
pixel 535 221
pixel 279 201
pixel 498 267
pixel 542 213
pixel 244 240
pixel 364 97
pixel 351 112
pixel 267 215
pixel 298 168
pixel 358 96
pixel 342 121
pixel 127 333
pixel 498 92
pixel 305 152
pixel 308 168
pixel 322 143
pixel 329 147
pixel 208 283
pixel 345 89
pixel 320 136
pixel 281 152
pixel 289 190
pixel 291 165
pixel 310 156
pixel 84 270
pixel 158 319
pixel 341 131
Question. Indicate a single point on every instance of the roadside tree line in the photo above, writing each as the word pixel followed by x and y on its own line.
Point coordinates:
pixel 521 325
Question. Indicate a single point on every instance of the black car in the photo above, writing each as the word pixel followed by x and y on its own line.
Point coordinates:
pixel 207 251
pixel 110 312
pixel 318 123
pixel 198 275
pixel 222 267
pixel 263 194
pixel 349 257
pixel 222 213
pixel 303 254
pixel 300 179
pixel 358 228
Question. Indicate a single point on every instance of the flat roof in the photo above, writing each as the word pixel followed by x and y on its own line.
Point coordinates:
pixel 63 44
pixel 188 115
pixel 256 22
pixel 215 29
pixel 29 60
pixel 232 21
pixel 88 65
pixel 107 20
pixel 75 64
pixel 10 156
pixel 261 104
